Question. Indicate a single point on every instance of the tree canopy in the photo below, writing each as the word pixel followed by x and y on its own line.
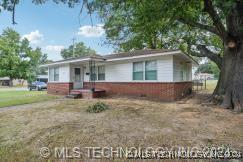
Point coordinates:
pixel 18 59
pixel 79 50
pixel 209 67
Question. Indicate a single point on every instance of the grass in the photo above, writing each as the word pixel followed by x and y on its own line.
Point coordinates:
pixel 13 98
pixel 211 85
pixel 127 123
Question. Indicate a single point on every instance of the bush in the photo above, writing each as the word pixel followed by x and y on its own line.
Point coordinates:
pixel 97 107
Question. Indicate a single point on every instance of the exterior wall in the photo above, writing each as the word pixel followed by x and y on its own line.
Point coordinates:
pixel 59 88
pixel 122 71
pixel 64 74
pixel 161 91
pixel 181 66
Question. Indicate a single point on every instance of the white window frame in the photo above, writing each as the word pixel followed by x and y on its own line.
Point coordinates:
pixel 98 79
pixel 144 71
pixel 97 73
pixel 52 77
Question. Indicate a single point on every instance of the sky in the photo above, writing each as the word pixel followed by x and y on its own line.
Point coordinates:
pixel 53 26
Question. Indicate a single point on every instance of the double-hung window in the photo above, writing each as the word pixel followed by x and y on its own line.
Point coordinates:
pixel 54 74
pixel 138 70
pixel 93 76
pixel 150 70
pixel 146 70
pixel 101 72
pixel 97 73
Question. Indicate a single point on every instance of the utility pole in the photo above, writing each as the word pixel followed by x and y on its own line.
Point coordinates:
pixel 73 46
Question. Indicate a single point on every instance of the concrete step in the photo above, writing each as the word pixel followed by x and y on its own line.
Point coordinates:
pixel 73 96
pixel 75 93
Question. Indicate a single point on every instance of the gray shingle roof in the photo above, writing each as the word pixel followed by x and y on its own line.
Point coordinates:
pixel 136 53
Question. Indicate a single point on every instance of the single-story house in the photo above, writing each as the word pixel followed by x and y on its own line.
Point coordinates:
pixel 203 76
pixel 5 81
pixel 159 74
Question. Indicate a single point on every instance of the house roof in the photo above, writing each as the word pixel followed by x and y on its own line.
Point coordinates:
pixel 136 53
pixel 123 56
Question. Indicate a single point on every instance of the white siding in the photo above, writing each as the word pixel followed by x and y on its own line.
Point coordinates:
pixel 168 70
pixel 64 74
pixel 165 69
pixel 180 66
pixel 123 71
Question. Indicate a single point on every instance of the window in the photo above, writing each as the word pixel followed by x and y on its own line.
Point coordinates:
pixel 54 74
pixel 181 75
pixel 101 72
pixel 150 70
pixel 51 74
pixel 93 74
pixel 138 69
pixel 145 70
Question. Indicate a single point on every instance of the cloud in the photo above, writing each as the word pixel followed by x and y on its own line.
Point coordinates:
pixel 53 48
pixel 34 37
pixel 91 31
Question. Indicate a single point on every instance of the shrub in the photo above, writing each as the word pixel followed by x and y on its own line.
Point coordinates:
pixel 97 107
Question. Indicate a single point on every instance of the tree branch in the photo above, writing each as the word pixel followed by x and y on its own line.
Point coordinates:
pixel 13 12
pixel 204 52
pixel 208 7
pixel 201 26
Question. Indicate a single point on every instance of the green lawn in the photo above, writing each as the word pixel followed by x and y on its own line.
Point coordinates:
pixel 211 84
pixel 12 98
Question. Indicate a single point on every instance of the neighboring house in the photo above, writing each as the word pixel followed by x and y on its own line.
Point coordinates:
pixel 160 74
pixel 42 78
pixel 203 76
pixel 5 81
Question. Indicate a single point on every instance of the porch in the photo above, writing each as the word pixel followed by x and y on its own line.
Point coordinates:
pixel 68 79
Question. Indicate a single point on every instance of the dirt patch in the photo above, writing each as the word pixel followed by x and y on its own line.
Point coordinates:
pixel 127 122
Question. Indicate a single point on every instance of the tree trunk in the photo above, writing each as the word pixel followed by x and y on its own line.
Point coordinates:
pixel 10 82
pixel 233 98
pixel 230 84
pixel 224 76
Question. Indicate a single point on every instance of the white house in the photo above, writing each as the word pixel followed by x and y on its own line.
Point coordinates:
pixel 160 74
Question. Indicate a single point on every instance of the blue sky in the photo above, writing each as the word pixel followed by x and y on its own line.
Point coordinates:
pixel 52 27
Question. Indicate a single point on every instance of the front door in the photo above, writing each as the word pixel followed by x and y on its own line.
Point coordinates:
pixel 78 83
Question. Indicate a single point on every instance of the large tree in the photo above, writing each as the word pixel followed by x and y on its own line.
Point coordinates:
pixel 79 49
pixel 17 59
pixel 197 22
pixel 208 28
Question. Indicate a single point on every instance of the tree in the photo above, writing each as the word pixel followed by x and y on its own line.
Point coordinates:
pixel 209 67
pixel 43 60
pixel 79 50
pixel 18 59
pixel 208 28
pixel 199 24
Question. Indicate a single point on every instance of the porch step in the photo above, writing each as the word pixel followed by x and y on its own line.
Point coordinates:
pixel 74 96
pixel 86 93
